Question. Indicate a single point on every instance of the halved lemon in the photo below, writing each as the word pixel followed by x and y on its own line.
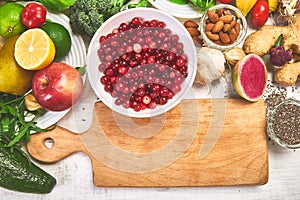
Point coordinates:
pixel 34 49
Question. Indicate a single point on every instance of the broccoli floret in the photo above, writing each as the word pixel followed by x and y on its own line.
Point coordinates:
pixel 86 16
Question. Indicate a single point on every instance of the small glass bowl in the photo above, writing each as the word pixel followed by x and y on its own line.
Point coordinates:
pixel 272 120
pixel 237 14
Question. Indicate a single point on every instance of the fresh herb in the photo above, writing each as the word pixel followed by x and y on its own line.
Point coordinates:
pixel 181 2
pixel 141 3
pixel 202 4
pixel 57 5
pixel 16 121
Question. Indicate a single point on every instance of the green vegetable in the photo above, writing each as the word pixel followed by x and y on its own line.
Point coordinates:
pixel 203 4
pixel 141 3
pixel 16 122
pixel 57 5
pixel 20 174
pixel 86 16
pixel 181 2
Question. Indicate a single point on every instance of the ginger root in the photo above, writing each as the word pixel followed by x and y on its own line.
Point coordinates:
pixel 261 41
pixel 288 74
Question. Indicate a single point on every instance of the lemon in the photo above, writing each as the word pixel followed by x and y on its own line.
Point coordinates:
pixel 34 49
pixel 10 19
pixel 60 37
pixel 13 78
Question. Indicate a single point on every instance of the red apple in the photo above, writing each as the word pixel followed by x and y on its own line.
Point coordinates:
pixel 57 87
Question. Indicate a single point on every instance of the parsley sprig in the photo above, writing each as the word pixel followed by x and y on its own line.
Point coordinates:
pixel 16 121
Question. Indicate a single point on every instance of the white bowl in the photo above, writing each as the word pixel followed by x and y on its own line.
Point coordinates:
pixel 93 60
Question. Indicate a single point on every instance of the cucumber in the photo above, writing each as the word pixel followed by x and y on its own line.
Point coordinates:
pixel 19 174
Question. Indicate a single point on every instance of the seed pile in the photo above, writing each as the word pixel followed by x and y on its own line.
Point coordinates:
pixel 286 119
pixel 286 123
pixel 273 96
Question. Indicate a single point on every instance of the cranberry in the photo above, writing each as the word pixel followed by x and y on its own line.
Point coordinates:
pixel 153 23
pixel 126 90
pixel 113 79
pixel 140 92
pixel 152 105
pixel 102 39
pixel 104 80
pixel 161 24
pixel 151 60
pixel 176 88
pixel 137 107
pixel 137 98
pixel 101 67
pixel 174 38
pixel 170 56
pixel 163 100
pixel 141 64
pixel 109 72
pixel 178 80
pixel 135 20
pixel 127 104
pixel 108 87
pixel 146 24
pixel 146 99
pixel 118 102
pixel 137 48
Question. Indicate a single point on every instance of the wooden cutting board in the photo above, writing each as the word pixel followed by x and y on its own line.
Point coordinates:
pixel 217 142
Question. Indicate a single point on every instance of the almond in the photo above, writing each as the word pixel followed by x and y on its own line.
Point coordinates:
pixel 226 18
pixel 212 16
pixel 233 35
pixel 212 36
pixel 193 31
pixel 209 26
pixel 232 23
pixel 226 28
pixel 218 42
pixel 218 27
pixel 197 41
pixel 237 28
pixel 224 37
pixel 207 21
pixel 191 24
pixel 219 12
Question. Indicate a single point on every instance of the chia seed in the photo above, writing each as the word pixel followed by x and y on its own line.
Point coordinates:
pixel 273 96
pixel 285 122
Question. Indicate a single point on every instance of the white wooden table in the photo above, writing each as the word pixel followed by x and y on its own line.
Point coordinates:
pixel 74 181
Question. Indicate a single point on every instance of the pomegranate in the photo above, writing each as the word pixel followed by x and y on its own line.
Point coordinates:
pixel 143 64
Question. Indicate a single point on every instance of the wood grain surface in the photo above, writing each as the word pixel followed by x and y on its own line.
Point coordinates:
pixel 191 145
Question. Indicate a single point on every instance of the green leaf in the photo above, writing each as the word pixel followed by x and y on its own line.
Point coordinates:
pixel 180 2
pixel 57 5
pixel 81 70
pixel 15 127
pixel 279 41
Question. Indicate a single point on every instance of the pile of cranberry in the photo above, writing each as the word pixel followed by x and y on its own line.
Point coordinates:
pixel 143 63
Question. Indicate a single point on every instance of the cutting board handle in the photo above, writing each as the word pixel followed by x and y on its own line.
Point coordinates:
pixel 63 143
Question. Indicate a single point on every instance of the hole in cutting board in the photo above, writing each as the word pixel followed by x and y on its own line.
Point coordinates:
pixel 49 143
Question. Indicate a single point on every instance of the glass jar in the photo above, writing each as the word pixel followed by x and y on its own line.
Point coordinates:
pixel 283 124
pixel 237 15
